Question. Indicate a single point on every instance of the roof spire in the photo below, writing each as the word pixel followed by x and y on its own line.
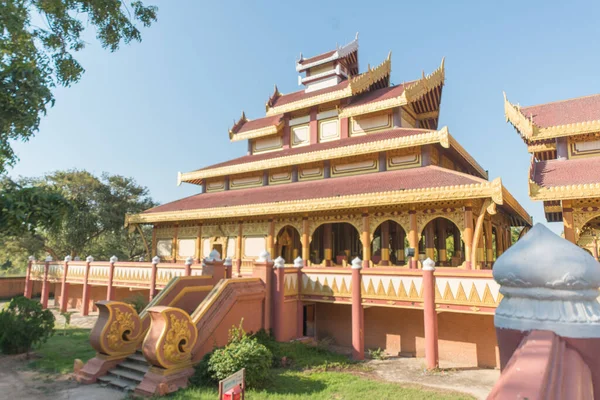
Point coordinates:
pixel 356 38
pixel 389 57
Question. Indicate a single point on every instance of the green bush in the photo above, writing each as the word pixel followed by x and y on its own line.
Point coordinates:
pixel 377 354
pixel 138 302
pixel 242 351
pixel 24 324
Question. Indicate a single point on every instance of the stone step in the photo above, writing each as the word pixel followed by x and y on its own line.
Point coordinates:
pixel 135 366
pixel 117 383
pixel 134 376
pixel 137 357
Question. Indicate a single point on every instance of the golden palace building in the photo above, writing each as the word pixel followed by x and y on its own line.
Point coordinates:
pixel 563 139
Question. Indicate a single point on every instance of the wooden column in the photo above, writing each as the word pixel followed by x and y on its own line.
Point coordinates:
pixel 327 244
pixel 499 241
pixel 385 243
pixel 174 246
pixel 430 240
pixel 199 245
pixel 45 283
pixel 477 252
pixel 64 290
pixel 85 297
pixel 430 315
pixel 413 238
pixel 457 244
pixel 489 248
pixel 271 237
pixel 358 322
pixel 305 241
pixel 366 240
pixel 441 242
pixel 468 236
pixel 238 249
pixel 153 240
pixel 400 236
pixel 567 212
pixel 28 281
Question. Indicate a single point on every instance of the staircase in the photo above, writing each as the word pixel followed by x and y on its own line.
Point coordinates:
pixel 128 374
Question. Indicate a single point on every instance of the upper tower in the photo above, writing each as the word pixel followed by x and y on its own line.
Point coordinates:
pixel 330 68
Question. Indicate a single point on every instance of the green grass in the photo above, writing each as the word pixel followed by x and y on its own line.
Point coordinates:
pixel 319 374
pixel 59 352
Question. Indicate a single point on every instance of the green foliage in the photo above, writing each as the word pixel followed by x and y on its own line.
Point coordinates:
pixel 67 316
pixel 242 351
pixel 24 324
pixel 377 354
pixel 36 57
pixel 91 221
pixel 138 302
pixel 25 208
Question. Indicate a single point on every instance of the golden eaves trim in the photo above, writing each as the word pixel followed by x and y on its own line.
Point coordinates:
pixel 565 192
pixel 412 92
pixel 509 200
pixel 491 190
pixel 538 147
pixel 441 136
pixel 256 133
pixel 531 132
pixel 357 84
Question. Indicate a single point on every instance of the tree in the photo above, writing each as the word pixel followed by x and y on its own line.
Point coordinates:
pixel 92 224
pixel 34 58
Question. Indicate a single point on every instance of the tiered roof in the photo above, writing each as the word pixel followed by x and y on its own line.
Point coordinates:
pixel 552 120
pixel 565 179
pixel 423 184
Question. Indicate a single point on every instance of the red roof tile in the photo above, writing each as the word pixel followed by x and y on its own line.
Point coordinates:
pixel 258 123
pixel 301 94
pixel 414 178
pixel 564 112
pixel 567 172
pixel 389 134
pixel 317 58
pixel 378 95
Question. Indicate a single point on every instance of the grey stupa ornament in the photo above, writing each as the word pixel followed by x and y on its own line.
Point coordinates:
pixel 548 283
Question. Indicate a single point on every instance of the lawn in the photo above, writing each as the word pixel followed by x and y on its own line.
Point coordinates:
pixel 59 352
pixel 312 373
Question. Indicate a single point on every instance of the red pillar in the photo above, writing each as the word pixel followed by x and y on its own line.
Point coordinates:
pixel 155 262
pixel 299 263
pixel 46 284
pixel 279 299
pixel 430 315
pixel 110 290
pixel 263 269
pixel 85 298
pixel 188 266
pixel 313 126
pixel 358 323
pixel 28 281
pixel 64 291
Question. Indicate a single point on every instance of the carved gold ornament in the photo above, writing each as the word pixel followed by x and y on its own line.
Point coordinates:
pixel 177 343
pixel 118 329
pixel 122 323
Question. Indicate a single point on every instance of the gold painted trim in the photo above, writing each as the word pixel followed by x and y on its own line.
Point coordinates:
pixel 186 290
pixel 565 192
pixel 198 313
pixel 257 133
pixel 357 84
pixel 461 150
pixel 539 147
pixel 427 137
pixel 486 189
pixel 412 92
pixel 530 131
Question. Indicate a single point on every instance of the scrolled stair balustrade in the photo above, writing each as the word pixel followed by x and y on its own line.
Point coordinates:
pixel 118 330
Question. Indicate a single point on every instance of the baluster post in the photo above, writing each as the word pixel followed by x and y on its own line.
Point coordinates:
pixel 64 289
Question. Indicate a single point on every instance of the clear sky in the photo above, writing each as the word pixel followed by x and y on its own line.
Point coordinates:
pixel 165 105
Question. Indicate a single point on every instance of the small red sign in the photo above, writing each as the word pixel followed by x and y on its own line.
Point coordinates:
pixel 234 386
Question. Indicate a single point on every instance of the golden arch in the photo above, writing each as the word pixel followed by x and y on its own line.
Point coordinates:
pixel 379 222
pixel 424 222
pixel 312 228
pixel 581 220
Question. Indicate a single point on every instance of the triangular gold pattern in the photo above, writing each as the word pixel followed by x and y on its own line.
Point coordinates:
pixel 438 295
pixel 500 297
pixel 460 293
pixel 371 288
pixel 317 288
pixel 474 296
pixel 402 291
pixel 448 296
pixel 488 299
pixel 412 293
pixel 334 287
pixel 381 289
pixel 344 289
pixel 391 292
pixel 363 290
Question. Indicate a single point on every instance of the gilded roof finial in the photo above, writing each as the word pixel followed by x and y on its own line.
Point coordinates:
pixel 356 38
pixel 389 57
pixel 423 74
pixel 443 60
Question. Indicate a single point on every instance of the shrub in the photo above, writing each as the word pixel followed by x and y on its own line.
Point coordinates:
pixel 24 324
pixel 242 351
pixel 377 354
pixel 138 302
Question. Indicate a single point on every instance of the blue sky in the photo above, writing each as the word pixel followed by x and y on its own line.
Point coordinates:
pixel 165 105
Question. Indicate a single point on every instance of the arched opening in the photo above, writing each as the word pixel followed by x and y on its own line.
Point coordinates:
pixel 589 237
pixel 441 241
pixel 335 244
pixel 288 244
pixel 389 242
